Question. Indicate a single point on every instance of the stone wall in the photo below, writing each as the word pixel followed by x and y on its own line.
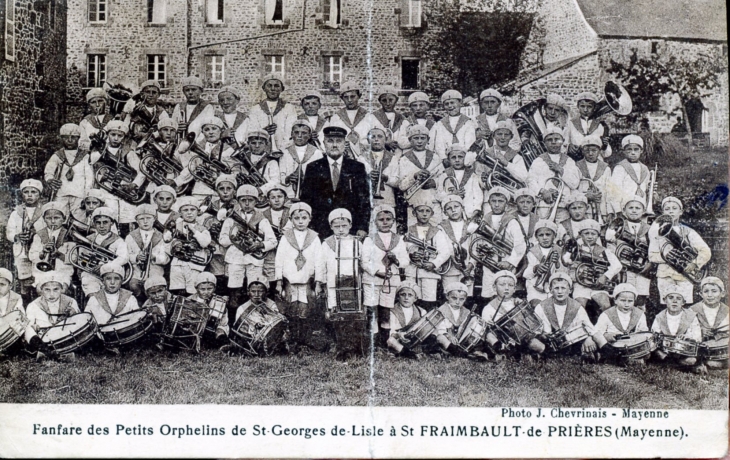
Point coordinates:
pixel 32 88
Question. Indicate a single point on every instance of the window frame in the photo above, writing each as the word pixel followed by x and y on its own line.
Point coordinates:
pixel 97 4
pixel 269 65
pixel 418 75
pixel 272 22
pixel 326 9
pixel 210 71
pixel 328 63
pixel 220 12
pixel 409 4
pixel 99 73
pixel 154 74
pixel 10 31
pixel 151 12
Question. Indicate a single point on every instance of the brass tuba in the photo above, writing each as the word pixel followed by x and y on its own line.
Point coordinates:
pixel 187 252
pixel 499 176
pixel 524 119
pixel 490 247
pixel 245 237
pixel 89 257
pixel 159 163
pixel 249 173
pixel 677 250
pixel 633 254
pixel 205 167
pixel 615 99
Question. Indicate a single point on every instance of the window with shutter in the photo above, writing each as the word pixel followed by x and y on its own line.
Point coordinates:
pixel 156 11
pixel 214 11
pixel 332 12
pixel 10 30
pixel 274 11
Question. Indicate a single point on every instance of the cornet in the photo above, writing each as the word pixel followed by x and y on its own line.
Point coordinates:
pixel 46 263
pixel 560 186
pixel 418 185
pixel 595 207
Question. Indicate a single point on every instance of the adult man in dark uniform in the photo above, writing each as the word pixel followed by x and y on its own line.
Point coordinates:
pixel 336 182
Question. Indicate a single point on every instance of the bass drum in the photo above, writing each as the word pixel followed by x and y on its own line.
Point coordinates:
pixel 70 334
pixel 259 331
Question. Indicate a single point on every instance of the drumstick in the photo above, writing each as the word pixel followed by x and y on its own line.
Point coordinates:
pixel 65 318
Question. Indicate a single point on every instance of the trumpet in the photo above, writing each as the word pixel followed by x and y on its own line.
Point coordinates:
pixel 499 176
pixel 89 257
pixel 46 263
pixel 187 252
pixel 117 178
pixel 490 247
pixel 632 253
pixel 204 167
pixel 560 186
pixel 378 183
pixel 595 207
pixel 418 185
pixel 56 176
pixel 677 250
pixel 552 260
pixel 424 253
pixel 246 237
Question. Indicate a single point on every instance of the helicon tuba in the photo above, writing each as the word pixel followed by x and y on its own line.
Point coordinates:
pixel 684 253
pixel 524 119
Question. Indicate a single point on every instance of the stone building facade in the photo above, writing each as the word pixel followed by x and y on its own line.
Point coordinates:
pixel 32 84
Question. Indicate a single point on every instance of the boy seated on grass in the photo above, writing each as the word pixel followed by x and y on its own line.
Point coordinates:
pixel 258 288
pixel 404 314
pixel 10 302
pixel 205 284
pixel 622 319
pixel 712 314
pixel 675 321
pixel 455 315
pixel 111 301
pixel 158 299
pixel 559 314
pixel 505 283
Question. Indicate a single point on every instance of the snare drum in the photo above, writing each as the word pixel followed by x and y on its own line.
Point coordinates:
pixel 471 333
pixel 715 350
pixel 216 310
pixel 71 333
pixel 565 338
pixel 519 325
pixel 126 328
pixel 635 346
pixel 678 346
pixel 185 325
pixel 424 327
pixel 11 329
pixel 259 331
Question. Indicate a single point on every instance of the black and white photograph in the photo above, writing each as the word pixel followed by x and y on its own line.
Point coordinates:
pixel 361 203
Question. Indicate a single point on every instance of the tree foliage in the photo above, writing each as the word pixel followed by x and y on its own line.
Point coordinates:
pixel 475 46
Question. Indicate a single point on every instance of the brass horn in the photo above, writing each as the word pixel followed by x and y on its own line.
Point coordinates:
pixel 615 99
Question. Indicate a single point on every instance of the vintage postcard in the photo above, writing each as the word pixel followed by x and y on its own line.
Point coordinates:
pixel 364 229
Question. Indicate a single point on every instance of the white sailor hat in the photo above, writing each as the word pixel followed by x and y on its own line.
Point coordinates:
pixel 418 96
pixel 624 287
pixel 247 190
pixel 588 224
pixel 555 99
pixel 6 274
pixel 103 211
pixel 377 128
pixel 586 96
pixel 272 185
pixel 553 130
pixel 523 192
pixel 387 89
pixel 409 285
pixel 230 178
pixel 339 213
pixel 211 120
pixel 417 129
pixel 153 281
pixel 383 208
pixel 421 200
pixel 94 93
pixel 52 277
pixel 36 184
pixel 505 124
pixel 545 223
pixel 272 76
pixel 149 83
pixel 111 267
pixel 300 206
pixel 184 201
pixel 167 122
pixel 455 148
pixel 204 277
pixel 451 94
pixel 672 289
pixel 672 199
pixel 592 140
pixel 348 86
pixel 95 193
pixel 117 125
pixel 575 196
pixel 145 209
pixel 490 92
pixel 302 122
pixel 191 81
pixel 54 206
pixel 312 93
pixel 451 199
pixel 260 279
pixel 636 198
pixel 504 274
pixel 164 188
pixel 455 287
pixel 632 139
pixel 560 275
pixel 258 133
pixel 712 280
pixel 232 90
pixel 70 129
pixel 498 190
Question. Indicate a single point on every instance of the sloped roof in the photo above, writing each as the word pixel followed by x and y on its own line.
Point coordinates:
pixel 672 19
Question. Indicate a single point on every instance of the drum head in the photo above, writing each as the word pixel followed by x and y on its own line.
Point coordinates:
pixel 71 325
pixel 275 336
pixel 122 322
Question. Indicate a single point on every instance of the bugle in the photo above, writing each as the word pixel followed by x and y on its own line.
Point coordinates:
pixel 56 176
pixel 560 187
pixel 46 264
pixel 377 184
pixel 433 171
pixel 89 257
pixel 677 251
